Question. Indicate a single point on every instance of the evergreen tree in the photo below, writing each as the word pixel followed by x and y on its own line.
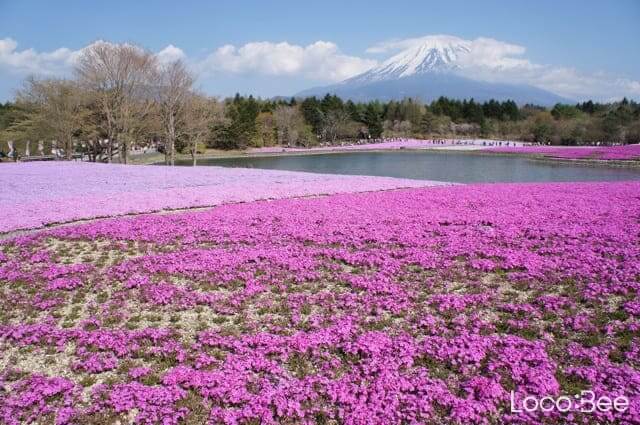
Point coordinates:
pixel 331 103
pixel 354 111
pixel 492 109
pixel 242 130
pixel 510 111
pixel 373 120
pixel 563 112
pixel 391 112
pixel 445 106
pixel 472 112
pixel 427 122
pixel 312 114
pixel 587 107
pixel 8 114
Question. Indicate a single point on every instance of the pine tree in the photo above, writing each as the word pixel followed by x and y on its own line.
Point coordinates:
pixel 242 130
pixel 312 114
pixel 354 112
pixel 373 120
pixel 427 122
pixel 331 103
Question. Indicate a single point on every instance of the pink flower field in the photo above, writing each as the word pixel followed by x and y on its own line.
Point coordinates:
pixel 37 194
pixel 424 305
pixel 620 153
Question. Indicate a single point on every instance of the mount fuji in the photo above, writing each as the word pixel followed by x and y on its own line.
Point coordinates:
pixel 427 71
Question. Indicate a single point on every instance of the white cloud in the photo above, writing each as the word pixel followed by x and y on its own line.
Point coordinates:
pixel 483 52
pixel 60 61
pixel 488 59
pixel 31 61
pixel 490 53
pixel 577 85
pixel 321 60
pixel 498 61
pixel 170 54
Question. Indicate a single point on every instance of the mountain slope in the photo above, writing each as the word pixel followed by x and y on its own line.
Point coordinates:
pixel 429 70
pixel 430 86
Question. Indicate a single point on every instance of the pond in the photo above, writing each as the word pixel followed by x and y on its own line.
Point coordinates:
pixel 460 167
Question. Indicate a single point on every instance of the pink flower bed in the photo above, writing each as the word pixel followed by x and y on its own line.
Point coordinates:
pixel 389 145
pixel 406 306
pixel 37 194
pixel 627 152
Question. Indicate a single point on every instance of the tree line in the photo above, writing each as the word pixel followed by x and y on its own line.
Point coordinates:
pixel 121 98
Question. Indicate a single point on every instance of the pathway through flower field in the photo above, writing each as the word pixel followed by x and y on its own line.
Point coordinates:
pixel 405 306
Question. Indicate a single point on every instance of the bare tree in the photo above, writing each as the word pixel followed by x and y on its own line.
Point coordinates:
pixel 332 122
pixel 267 133
pixel 175 84
pixel 287 120
pixel 54 108
pixel 201 113
pixel 120 77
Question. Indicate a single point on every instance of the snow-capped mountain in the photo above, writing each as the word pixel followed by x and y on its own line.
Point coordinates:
pixel 429 70
pixel 435 54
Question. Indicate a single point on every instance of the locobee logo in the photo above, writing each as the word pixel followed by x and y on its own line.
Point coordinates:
pixel 585 402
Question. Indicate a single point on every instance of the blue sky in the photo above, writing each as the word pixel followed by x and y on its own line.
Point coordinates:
pixel 580 48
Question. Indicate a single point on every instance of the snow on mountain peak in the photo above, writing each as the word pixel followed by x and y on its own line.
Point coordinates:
pixel 431 54
pixel 440 65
